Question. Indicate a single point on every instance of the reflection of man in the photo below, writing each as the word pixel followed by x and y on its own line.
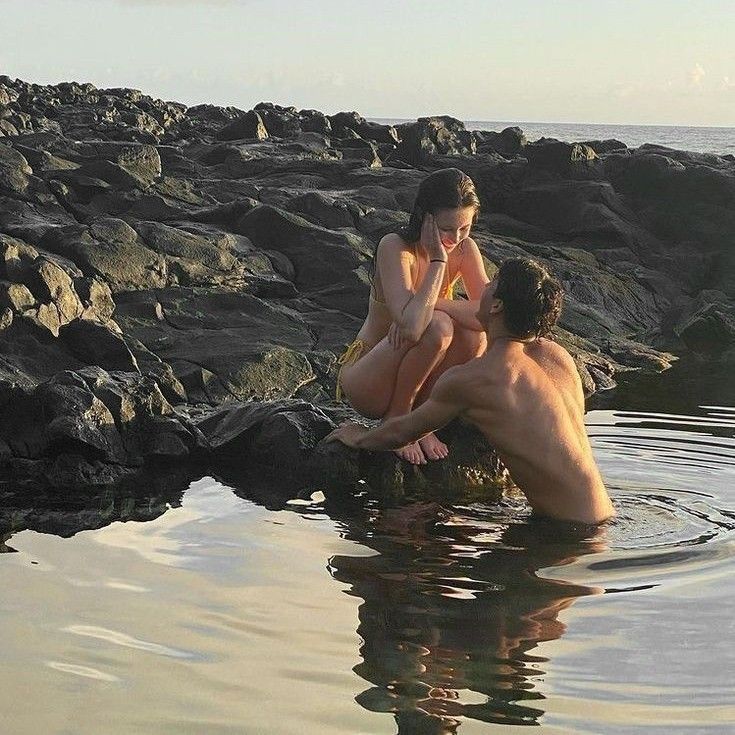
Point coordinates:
pixel 524 394
pixel 453 615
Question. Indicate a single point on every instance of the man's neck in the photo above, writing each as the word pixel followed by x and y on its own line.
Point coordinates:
pixel 497 334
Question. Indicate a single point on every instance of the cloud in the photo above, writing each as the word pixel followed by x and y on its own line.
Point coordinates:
pixel 696 75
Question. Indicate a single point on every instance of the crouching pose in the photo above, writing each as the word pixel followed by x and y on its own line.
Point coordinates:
pixel 524 394
pixel 414 331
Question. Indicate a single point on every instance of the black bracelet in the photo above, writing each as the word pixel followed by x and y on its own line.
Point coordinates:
pixel 437 260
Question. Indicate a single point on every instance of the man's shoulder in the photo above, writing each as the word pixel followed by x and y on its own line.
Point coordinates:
pixel 555 351
pixel 463 384
pixel 558 365
pixel 455 380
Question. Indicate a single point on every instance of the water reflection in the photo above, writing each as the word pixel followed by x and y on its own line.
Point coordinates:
pixel 65 513
pixel 453 609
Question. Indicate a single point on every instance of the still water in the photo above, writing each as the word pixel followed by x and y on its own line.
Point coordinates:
pixel 211 610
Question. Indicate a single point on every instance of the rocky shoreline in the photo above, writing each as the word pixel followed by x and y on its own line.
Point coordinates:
pixel 176 283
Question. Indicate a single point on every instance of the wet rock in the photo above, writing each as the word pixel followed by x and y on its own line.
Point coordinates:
pixel 708 326
pixel 284 439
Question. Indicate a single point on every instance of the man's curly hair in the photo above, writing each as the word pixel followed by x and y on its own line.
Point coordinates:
pixel 532 297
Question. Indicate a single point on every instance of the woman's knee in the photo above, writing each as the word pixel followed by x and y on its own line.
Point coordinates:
pixel 469 342
pixel 440 330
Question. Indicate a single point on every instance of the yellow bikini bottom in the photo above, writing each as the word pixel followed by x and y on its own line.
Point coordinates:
pixel 349 357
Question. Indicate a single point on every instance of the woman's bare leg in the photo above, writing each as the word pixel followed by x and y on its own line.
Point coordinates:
pixel 384 382
pixel 415 368
pixel 466 345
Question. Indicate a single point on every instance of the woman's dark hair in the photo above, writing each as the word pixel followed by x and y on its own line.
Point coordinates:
pixel 448 188
pixel 531 296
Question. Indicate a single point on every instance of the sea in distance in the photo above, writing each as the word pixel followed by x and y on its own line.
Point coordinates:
pixel 687 138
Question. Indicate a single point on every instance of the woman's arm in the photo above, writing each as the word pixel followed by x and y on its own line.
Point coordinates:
pixel 475 279
pixel 411 309
pixel 472 270
pixel 462 311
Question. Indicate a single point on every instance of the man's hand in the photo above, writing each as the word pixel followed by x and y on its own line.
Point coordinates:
pixel 348 433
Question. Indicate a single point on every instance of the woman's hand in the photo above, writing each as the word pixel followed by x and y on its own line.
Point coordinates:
pixel 431 240
pixel 396 339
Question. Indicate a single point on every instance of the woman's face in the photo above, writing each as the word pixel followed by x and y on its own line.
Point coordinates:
pixel 454 225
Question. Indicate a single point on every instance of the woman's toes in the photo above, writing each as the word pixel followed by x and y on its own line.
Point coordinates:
pixel 411 453
pixel 433 447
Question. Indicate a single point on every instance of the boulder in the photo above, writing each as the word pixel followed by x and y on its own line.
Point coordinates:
pixel 320 256
pixel 571 160
pixel 281 122
pixel 111 250
pixel 14 171
pixel 708 325
pixel 434 135
pixel 508 142
pixel 249 125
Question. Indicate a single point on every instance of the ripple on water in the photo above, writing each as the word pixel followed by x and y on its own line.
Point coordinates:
pixel 667 474
pixel 664 520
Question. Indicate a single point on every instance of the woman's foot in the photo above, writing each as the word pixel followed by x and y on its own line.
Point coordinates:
pixel 433 447
pixel 411 453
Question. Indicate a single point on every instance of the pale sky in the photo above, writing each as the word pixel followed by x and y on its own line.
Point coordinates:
pixel 596 61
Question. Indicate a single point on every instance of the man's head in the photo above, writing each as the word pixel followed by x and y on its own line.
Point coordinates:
pixel 523 300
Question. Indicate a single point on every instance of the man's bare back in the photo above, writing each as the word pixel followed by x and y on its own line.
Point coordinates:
pixel 527 399
pixel 523 394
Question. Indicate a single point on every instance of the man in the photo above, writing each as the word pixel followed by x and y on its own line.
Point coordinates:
pixel 524 394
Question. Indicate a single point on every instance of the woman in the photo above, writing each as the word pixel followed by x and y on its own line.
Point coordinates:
pixel 414 331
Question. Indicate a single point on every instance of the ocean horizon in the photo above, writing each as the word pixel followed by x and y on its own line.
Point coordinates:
pixel 717 140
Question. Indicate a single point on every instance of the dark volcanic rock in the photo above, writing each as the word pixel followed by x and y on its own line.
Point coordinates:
pixel 153 255
pixel 14 171
pixel 320 257
pixel 249 125
pixel 284 439
pixel 434 135
pixel 605 146
pixel 708 326
pixel 573 160
pixel 508 142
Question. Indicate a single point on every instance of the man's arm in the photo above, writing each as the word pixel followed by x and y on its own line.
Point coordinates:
pixel 438 410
